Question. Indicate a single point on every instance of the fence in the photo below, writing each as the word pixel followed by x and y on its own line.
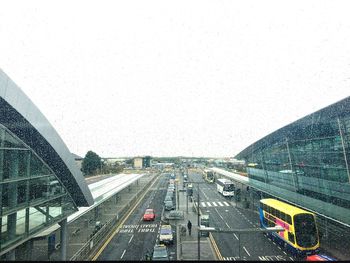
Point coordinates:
pixel 87 251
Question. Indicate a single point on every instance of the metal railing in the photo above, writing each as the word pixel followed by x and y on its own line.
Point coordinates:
pixel 96 240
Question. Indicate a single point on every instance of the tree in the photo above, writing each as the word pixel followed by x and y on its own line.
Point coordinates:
pixel 91 163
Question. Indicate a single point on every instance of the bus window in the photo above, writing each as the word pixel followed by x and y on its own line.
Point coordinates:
pixel 268 209
pixel 283 216
pixel 288 219
pixel 278 213
pixel 305 230
pixel 273 211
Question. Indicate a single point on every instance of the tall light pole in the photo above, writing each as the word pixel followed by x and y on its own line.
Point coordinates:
pixel 198 232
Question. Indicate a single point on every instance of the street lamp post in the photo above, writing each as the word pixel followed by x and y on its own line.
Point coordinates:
pixel 198 232
pixel 198 213
pixel 186 202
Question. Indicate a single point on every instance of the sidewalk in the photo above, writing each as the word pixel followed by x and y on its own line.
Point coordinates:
pixel 187 246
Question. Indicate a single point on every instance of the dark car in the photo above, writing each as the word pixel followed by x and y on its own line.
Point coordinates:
pixel 169 205
pixel 168 198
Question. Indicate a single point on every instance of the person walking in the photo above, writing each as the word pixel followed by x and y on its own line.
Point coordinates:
pixel 189 226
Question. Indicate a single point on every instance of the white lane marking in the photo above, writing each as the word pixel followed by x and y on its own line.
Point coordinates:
pixel 226 203
pixel 203 204
pixel 284 253
pixel 235 236
pixel 123 254
pixel 215 204
pixel 131 238
pixel 291 259
pixel 227 225
pixel 209 204
pixel 205 195
pixel 219 214
pixel 279 248
pixel 246 250
pixel 220 204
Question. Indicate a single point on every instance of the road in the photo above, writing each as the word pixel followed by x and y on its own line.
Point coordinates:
pixel 136 237
pixel 224 214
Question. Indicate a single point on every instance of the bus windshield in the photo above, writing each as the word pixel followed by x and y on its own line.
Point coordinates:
pixel 229 187
pixel 305 230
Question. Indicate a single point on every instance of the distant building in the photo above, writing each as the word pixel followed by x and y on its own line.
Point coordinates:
pixel 137 163
pixel 142 162
pixel 146 161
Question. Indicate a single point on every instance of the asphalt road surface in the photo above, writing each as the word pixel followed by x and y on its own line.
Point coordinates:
pixel 137 237
pixel 224 214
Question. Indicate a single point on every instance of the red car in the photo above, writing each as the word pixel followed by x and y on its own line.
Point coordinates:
pixel 319 257
pixel 149 215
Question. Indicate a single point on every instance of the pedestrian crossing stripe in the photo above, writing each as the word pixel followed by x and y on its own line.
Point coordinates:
pixel 213 204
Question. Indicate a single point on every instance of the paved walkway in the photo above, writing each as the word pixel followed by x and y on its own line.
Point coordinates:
pixel 187 246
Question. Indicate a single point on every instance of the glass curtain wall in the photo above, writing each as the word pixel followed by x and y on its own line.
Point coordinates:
pixel 308 166
pixel 31 196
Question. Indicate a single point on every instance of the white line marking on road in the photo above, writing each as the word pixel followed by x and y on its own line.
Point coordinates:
pixel 235 236
pixel 205 195
pixel 215 204
pixel 227 225
pixel 226 203
pixel 131 238
pixel 203 204
pixel 279 248
pixel 291 259
pixel 246 250
pixel 123 254
pixel 219 214
pixel 220 204
pixel 284 253
pixel 209 204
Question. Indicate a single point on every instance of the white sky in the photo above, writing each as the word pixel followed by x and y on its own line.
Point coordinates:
pixel 169 78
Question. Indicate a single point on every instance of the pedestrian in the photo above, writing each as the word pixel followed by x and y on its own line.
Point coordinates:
pixel 189 226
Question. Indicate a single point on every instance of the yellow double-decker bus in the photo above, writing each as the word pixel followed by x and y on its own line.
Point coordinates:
pixel 300 236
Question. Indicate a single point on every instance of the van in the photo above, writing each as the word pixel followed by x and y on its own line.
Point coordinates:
pixel 166 235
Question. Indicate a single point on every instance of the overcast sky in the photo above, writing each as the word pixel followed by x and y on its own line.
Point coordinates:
pixel 170 78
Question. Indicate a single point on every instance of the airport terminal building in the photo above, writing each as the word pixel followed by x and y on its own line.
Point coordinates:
pixel 40 184
pixel 307 164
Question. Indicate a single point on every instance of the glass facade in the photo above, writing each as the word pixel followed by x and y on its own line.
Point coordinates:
pixel 31 196
pixel 307 162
